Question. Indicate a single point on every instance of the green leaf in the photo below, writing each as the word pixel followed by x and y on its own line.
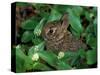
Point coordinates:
pixel 54 15
pixel 29 24
pixel 74 60
pixel 27 36
pixel 89 29
pixel 95 21
pixel 82 53
pixel 38 28
pixel 61 8
pixel 88 15
pixel 63 66
pixel 49 57
pixel 36 48
pixel 44 14
pixel 20 59
pixel 41 66
pixel 95 26
pixel 70 57
pixel 77 10
pixel 28 63
pixel 91 57
pixel 19 52
pixel 37 40
pixel 91 41
pixel 31 51
pixel 20 64
pixel 71 54
pixel 75 22
pixel 23 62
pixel 94 10
pixel 77 35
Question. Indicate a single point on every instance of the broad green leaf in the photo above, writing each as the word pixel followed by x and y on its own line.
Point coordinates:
pixel 88 15
pixel 71 54
pixel 63 66
pixel 41 66
pixel 78 59
pixel 31 51
pixel 25 48
pixel 44 14
pixel 28 63
pixel 61 8
pixel 77 35
pixel 38 28
pixel 19 52
pixel 20 59
pixel 29 24
pixel 27 36
pixel 74 60
pixel 75 22
pixel 20 64
pixel 88 29
pixel 91 57
pixel 82 53
pixel 70 57
pixel 23 62
pixel 92 28
pixel 91 41
pixel 37 40
pixel 54 15
pixel 49 57
pixel 77 10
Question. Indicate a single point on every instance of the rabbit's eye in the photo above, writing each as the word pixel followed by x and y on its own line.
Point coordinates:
pixel 51 31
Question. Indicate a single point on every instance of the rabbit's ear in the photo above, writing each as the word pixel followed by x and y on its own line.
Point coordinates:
pixel 64 20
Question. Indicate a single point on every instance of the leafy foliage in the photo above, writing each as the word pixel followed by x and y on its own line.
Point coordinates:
pixel 91 57
pixel 27 36
pixel 75 22
pixel 31 54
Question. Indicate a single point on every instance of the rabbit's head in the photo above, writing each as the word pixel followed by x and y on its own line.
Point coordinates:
pixel 55 30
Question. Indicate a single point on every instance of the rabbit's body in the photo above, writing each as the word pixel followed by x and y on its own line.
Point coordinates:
pixel 58 38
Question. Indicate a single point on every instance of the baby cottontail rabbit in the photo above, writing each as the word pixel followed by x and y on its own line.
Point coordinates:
pixel 58 38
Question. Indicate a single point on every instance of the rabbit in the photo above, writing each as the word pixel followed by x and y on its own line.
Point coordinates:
pixel 58 38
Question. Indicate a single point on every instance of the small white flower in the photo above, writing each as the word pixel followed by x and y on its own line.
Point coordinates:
pixel 60 55
pixel 35 57
pixel 18 46
pixel 36 48
pixel 91 15
pixel 39 32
